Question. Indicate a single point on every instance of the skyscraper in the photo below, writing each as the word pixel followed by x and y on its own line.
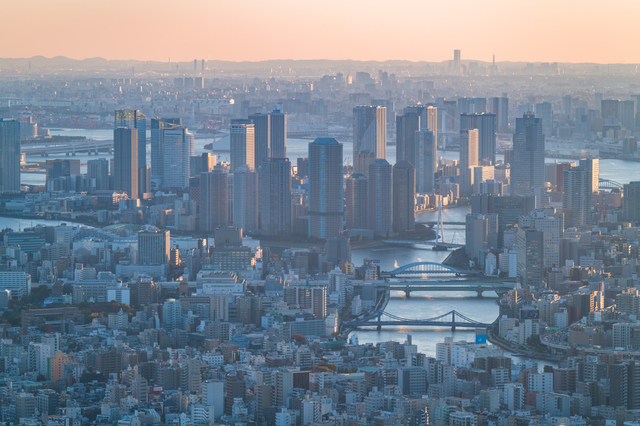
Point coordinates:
pixel 370 131
pixel 611 111
pixel 214 199
pixel 406 127
pixel 527 158
pixel 468 159
pixel 356 203
pixel 593 165
pixel 241 144
pixel 456 61
pixel 326 200
pixel 631 202
pixel 576 196
pixel 425 161
pixel 404 189
pixel 566 105
pixel 319 302
pixel 158 125
pixel 500 107
pixel 544 111
pixel 125 161
pixel 178 148
pixel 380 197
pixel 134 119
pixel 262 137
pixel 99 170
pixel 530 245
pixel 486 125
pixel 275 193
pixel 432 122
pixel 278 134
pixel 9 155
pixel 245 198
pixel 476 234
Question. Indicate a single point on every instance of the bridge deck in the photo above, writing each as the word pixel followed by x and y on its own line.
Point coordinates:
pixel 451 319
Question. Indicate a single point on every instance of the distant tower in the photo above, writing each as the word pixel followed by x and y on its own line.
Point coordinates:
pixel 178 145
pixel 134 119
pixel 456 61
pixel 527 158
pixel 275 193
pixel 404 189
pixel 468 158
pixel 406 127
pixel 125 161
pixel 203 67
pixel 9 155
pixel 158 126
pixel 214 199
pixel 356 202
pixel 576 195
pixel 326 193
pixel 99 170
pixel 245 198
pixel 242 144
pixel 195 66
pixel 370 131
pixel 278 134
pixel 544 111
pixel 262 137
pixel 425 161
pixel 380 200
pixel 486 125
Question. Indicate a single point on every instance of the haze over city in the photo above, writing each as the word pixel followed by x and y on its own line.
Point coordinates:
pixel 252 30
pixel 335 213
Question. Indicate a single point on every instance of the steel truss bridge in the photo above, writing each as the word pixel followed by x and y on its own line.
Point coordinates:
pixel 381 318
pixel 425 268
pixel 430 286
pixel 608 184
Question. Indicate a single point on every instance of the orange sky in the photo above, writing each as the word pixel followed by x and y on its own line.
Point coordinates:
pixel 252 30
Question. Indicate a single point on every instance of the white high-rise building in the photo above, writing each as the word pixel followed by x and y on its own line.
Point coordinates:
pixel 370 130
pixel 468 158
pixel 241 144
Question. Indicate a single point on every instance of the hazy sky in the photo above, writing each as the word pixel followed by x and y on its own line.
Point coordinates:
pixel 252 30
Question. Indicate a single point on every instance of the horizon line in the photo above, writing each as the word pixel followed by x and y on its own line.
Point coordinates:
pixel 316 59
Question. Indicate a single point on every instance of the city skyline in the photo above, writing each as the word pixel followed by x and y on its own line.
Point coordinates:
pixel 54 29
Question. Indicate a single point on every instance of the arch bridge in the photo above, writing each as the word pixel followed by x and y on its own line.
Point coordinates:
pixel 608 184
pixel 425 268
